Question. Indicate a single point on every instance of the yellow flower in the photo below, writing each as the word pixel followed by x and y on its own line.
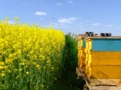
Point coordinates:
pixel 9 71
pixel 11 55
pixel 2 74
pixel 44 67
pixel 27 73
pixel 1 67
pixel 17 77
pixel 24 47
pixel 9 60
pixel 22 64
pixel 20 70
pixel 38 67
pixel 2 63
pixel 52 68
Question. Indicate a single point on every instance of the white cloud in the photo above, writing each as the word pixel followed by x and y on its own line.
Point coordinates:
pixel 59 4
pixel 67 20
pixel 11 22
pixel 96 24
pixel 70 1
pixel 109 25
pixel 41 13
pixel 57 24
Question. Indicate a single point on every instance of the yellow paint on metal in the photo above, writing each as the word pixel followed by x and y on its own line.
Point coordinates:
pixel 80 43
pixel 81 53
pixel 88 45
pixel 106 55
pixel 105 58
pixel 110 60
pixel 106 72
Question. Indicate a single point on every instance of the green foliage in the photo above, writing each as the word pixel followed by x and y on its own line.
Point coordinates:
pixel 68 79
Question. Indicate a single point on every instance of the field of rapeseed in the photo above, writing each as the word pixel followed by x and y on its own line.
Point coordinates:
pixel 31 57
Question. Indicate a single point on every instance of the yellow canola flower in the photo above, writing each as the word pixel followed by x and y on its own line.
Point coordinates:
pixel 1 67
pixel 2 74
pixel 2 63
pixel 52 68
pixel 29 48
pixel 27 73
pixel 17 77
pixel 9 71
pixel 11 55
pixel 38 67
pixel 22 64
pixel 20 70
pixel 9 60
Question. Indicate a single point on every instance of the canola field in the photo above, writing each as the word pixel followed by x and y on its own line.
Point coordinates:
pixel 31 57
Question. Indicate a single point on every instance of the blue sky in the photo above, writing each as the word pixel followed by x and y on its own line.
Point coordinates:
pixel 76 16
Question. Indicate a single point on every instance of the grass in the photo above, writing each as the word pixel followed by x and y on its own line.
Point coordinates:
pixel 68 79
